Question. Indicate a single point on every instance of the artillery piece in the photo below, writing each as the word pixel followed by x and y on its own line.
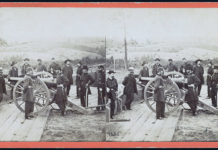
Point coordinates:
pixel 175 92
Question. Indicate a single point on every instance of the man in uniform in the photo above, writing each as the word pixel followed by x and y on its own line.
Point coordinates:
pixel 209 78
pixel 159 93
pixel 25 66
pixel 100 77
pixel 86 81
pixel 144 73
pixel 68 73
pixel 192 83
pixel 171 67
pixel 40 67
pixel 53 67
pixel 29 103
pixel 112 87
pixel 214 86
pixel 60 97
pixel 199 72
pixel 183 67
pixel 13 73
pixel 130 88
pixel 2 85
pixel 78 77
pixel 156 66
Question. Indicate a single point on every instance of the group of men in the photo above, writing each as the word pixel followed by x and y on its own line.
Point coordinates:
pixel 64 78
pixel 192 71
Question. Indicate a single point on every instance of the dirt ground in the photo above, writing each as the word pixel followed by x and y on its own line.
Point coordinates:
pixel 74 127
pixel 203 127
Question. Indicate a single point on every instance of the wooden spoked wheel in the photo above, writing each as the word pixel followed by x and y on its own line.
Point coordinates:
pixel 172 95
pixel 41 95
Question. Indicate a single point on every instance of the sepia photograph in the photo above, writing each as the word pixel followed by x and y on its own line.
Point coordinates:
pixel 161 67
pixel 52 75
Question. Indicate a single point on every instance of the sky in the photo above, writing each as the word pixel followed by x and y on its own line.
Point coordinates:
pixel 56 24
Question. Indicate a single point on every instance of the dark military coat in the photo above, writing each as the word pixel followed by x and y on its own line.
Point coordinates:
pixel 159 88
pixel 130 84
pixel 86 79
pixel 68 72
pixel 13 72
pixel 41 67
pixel 2 85
pixel 209 76
pixel 199 71
pixel 78 75
pixel 154 69
pixel 24 69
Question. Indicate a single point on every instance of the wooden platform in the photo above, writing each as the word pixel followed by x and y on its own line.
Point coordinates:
pixel 142 126
pixel 15 128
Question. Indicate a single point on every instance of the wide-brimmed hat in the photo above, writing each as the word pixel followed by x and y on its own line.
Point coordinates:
pixel 39 59
pixel 197 60
pixel 170 59
pixel 67 61
pixel 157 59
pixel 85 67
pixel 101 67
pixel 111 71
pixel 26 59
pixel 13 63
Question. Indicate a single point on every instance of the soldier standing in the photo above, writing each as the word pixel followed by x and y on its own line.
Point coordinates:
pixel 78 79
pixel 2 85
pixel 53 67
pixel 130 88
pixel 209 78
pixel 60 97
pixel 159 94
pixel 112 87
pixel 199 72
pixel 86 81
pixel 25 66
pixel 183 67
pixel 192 83
pixel 100 76
pixel 144 73
pixel 156 66
pixel 40 67
pixel 214 86
pixel 171 67
pixel 68 73
pixel 13 73
pixel 29 103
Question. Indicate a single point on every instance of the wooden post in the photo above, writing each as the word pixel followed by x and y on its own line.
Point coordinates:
pixel 108 116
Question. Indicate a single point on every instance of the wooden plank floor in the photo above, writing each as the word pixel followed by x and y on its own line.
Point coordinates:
pixel 142 126
pixel 15 128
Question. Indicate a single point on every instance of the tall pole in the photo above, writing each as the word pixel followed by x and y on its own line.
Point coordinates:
pixel 125 46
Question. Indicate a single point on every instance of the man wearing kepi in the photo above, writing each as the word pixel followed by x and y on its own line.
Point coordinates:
pixel 112 87
pixel 159 94
pixel 156 66
pixel 78 78
pixel 214 86
pixel 40 67
pixel 130 88
pixel 199 72
pixel 192 95
pixel 53 67
pixel 27 94
pixel 171 67
pixel 100 77
pixel 25 66
pixel 86 81
pixel 68 73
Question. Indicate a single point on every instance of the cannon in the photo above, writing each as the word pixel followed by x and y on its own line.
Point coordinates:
pixel 44 86
pixel 175 91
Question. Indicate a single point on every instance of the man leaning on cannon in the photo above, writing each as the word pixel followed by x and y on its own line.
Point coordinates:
pixel 192 83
